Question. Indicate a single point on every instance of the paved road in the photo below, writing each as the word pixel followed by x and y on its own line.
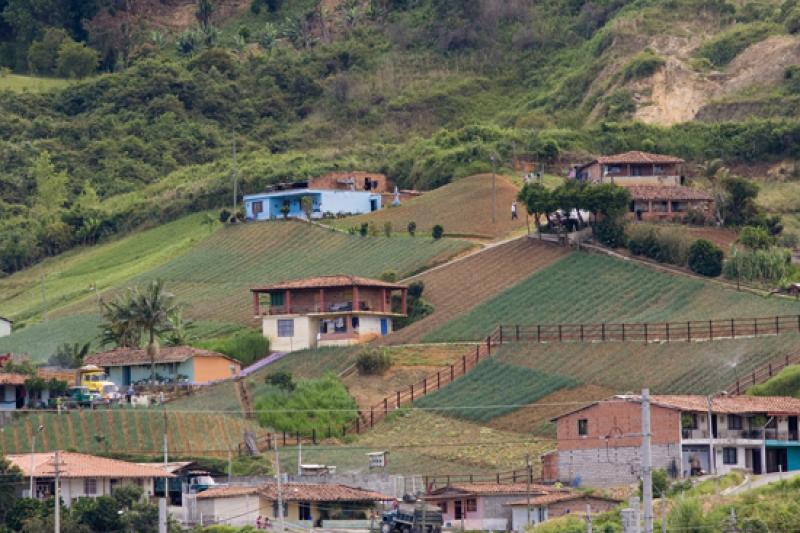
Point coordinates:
pixel 753 482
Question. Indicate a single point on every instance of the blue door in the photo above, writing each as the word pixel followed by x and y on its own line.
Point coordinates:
pixel 126 375
pixel 384 326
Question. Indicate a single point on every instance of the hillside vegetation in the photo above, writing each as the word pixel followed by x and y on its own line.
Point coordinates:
pixel 590 289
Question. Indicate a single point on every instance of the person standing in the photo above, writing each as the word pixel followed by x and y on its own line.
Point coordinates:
pixel 514 210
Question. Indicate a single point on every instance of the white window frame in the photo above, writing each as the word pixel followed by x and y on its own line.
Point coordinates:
pixel 284 326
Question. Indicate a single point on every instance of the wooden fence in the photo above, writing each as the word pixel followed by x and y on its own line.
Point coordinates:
pixel 646 332
pixel 763 373
pixel 521 475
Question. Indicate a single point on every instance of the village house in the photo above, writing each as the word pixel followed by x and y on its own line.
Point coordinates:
pixel 326 311
pixel 128 366
pixel 600 444
pixel 633 168
pixel 555 504
pixel 482 506
pixel 15 395
pixel 81 475
pixel 335 193
pixel 5 326
pixel 305 505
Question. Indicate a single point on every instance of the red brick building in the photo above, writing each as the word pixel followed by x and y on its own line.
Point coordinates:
pixel 633 168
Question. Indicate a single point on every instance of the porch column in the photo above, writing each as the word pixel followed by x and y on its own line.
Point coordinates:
pixel 287 301
pixel 322 300
pixel 649 206
pixel 669 206
pixel 763 456
pixel 355 298
pixel 403 301
pixel 383 300
pixel 256 307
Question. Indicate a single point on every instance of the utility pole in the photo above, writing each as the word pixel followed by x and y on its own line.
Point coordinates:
pixel 33 452
pixel 663 513
pixel 230 466
pixel 281 526
pixel 235 176
pixel 299 458
pixel 647 467
pixel 162 503
pixel 528 485
pixel 712 455
pixel 494 189
pixel 57 508
pixel 588 518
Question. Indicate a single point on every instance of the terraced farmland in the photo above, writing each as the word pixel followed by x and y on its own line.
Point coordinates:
pixel 213 278
pixel 463 207
pixel 493 389
pixel 131 431
pixel 458 287
pixel 588 288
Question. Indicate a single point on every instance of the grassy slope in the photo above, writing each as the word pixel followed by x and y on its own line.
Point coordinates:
pixel 463 207
pixel 127 430
pixel 594 288
pixel 19 83
pixel 69 277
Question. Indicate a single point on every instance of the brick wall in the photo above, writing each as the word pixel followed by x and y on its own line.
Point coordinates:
pixel 613 466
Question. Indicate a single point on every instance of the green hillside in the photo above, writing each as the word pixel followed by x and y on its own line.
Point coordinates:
pixel 209 271
pixel 590 289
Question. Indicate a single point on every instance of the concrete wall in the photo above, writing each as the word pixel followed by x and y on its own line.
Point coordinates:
pixel 235 511
pixel 390 485
pixel 612 466
pixel 519 516
pixel 5 328
pixel 305 333
pixel 142 372
pixel 325 201
pixel 213 368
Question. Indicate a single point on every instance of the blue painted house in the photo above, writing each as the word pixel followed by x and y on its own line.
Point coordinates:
pixel 267 205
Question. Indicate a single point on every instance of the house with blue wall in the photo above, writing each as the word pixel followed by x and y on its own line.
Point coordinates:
pixel 268 205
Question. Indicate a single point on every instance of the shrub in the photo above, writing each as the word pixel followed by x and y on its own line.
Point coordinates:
pixel 363 229
pixel 390 276
pixel 415 289
pixel 687 515
pixel 387 228
pixel 791 78
pixel 281 379
pixel 412 228
pixel 660 483
pixel 76 60
pixel 705 258
pixel 437 232
pixel 755 238
pixel 620 104
pixel 785 383
pixel 224 215
pixel 643 65
pixel 610 231
pixel 246 346
pixel 255 6
pixel 373 363
pixel 723 47
pixel 759 265
pixel 792 21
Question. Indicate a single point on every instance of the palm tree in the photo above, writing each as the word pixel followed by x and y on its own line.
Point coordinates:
pixel 120 328
pixel 151 309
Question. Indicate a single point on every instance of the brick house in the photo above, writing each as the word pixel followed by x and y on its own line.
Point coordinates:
pixel 633 168
pixel 651 202
pixel 326 311
pixel 600 444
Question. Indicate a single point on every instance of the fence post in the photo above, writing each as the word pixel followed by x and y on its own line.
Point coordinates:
pixel 501 334
pixel 477 351
pixel 755 330
pixel 452 372
pixel 770 369
pixel 284 438
pixel 737 387
pixel 517 332
pixel 386 406
pixel 539 330
pixel 689 332
pixel 424 386
pixel 710 330
pixel 560 337
pixel 313 436
pixel 412 393
pixel 398 399
pixel 733 328
pixel 603 332
pixel 358 428
pixel 645 332
pixel 777 325
pixel 581 332
pixel 623 332
pixel 463 364
pixel 372 416
pixel 439 380
pixel 798 322
pixel 787 360
pixel 489 345
pixel 667 323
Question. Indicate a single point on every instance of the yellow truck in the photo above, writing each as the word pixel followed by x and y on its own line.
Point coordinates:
pixel 96 380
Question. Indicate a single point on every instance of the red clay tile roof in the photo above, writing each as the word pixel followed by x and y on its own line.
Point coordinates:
pixel 556 497
pixel 7 378
pixel 636 156
pixel 307 492
pixel 324 282
pixel 138 356
pixel 485 489
pixel 674 192
pixel 78 465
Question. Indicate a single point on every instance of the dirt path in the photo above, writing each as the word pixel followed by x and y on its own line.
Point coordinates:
pixel 459 286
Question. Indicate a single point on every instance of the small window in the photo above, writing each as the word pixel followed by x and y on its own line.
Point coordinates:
pixel 286 328
pixel 304 510
pixel 354 322
pixel 258 207
pixel 276 299
pixel 734 422
pixel 472 505
pixel 729 456
pixel 689 421
pixel 583 427
pixel 90 486
pixel 443 507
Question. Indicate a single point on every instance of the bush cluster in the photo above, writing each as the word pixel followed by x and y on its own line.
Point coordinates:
pixel 664 244
pixel 373 362
pixel 769 265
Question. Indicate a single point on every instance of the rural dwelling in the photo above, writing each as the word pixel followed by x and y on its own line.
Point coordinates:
pixel 555 504
pixel 599 445
pixel 5 326
pixel 650 202
pixel 129 366
pixel 482 506
pixel 326 311
pixel 82 475
pixel 14 395
pixel 305 505
pixel 633 168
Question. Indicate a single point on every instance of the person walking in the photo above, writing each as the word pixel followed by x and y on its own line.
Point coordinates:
pixel 514 210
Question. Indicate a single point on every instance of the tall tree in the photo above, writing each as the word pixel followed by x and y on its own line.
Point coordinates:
pixel 151 309
pixel 539 202
pixel 51 188
pixel 205 8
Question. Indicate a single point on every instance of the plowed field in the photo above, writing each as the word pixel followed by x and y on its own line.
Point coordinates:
pixel 463 207
pixel 458 287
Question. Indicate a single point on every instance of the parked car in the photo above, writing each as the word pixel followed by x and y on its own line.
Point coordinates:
pixel 412 518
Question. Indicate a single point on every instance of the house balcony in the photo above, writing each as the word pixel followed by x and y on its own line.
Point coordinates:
pixel 343 307
pixel 742 436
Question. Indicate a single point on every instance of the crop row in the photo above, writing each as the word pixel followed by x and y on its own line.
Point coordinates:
pixel 593 289
pixel 493 389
